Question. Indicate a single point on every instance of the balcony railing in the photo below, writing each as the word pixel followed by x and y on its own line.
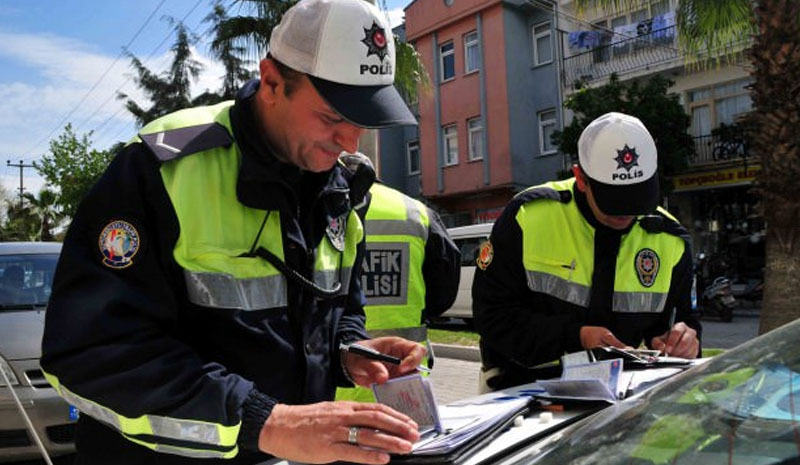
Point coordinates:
pixel 642 51
pixel 712 149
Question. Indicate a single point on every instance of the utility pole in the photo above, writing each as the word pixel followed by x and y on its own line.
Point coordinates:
pixel 21 166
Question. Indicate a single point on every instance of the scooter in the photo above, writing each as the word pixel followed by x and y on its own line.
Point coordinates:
pixel 718 297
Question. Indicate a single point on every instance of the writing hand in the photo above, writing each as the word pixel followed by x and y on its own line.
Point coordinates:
pixel 599 336
pixel 680 341
pixel 365 371
pixel 319 433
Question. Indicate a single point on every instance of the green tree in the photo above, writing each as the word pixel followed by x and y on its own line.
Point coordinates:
pixel 44 207
pixel 250 30
pixel 73 167
pixel 709 28
pixel 650 101
pixel 229 53
pixel 170 91
pixel 21 224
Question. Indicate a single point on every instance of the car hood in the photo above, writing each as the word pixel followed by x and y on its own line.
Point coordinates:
pixel 21 334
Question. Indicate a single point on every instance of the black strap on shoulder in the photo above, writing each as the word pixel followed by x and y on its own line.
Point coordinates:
pixel 540 193
pixel 659 223
pixel 179 142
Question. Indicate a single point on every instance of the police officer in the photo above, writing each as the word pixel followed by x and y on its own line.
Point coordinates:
pixel 209 279
pixel 586 262
pixel 410 272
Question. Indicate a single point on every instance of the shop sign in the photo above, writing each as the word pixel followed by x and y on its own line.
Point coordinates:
pixel 719 178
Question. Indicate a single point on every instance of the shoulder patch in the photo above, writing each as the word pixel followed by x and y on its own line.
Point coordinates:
pixel 177 143
pixel 118 242
pixel 485 255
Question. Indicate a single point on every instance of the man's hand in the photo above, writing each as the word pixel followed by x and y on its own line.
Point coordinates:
pixel 681 341
pixel 318 433
pixel 365 371
pixel 599 336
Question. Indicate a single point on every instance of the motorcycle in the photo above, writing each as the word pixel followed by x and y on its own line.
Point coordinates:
pixel 717 298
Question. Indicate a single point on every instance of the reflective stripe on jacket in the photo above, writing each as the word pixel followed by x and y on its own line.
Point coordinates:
pixel 186 348
pixel 558 256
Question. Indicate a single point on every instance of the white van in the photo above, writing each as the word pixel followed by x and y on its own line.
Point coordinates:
pixel 468 239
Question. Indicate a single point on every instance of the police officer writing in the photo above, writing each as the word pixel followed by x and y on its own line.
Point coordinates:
pixel 410 273
pixel 209 279
pixel 586 262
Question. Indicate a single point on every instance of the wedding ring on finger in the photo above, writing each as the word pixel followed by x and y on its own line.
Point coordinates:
pixel 352 437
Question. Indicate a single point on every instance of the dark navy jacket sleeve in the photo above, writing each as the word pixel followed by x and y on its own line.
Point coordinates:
pixel 441 268
pixel 112 335
pixel 514 322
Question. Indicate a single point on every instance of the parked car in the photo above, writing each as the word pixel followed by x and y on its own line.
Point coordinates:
pixel 468 239
pixel 26 277
pixel 740 408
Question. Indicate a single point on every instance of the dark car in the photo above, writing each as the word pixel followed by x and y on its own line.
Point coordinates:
pixel 26 276
pixel 741 407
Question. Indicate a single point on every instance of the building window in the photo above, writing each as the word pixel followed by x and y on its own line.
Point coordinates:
pixel 542 46
pixel 547 125
pixel 450 145
pixel 720 104
pixel 448 61
pixel 475 131
pixel 412 150
pixel 471 57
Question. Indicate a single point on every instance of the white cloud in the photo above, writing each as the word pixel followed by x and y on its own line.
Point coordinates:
pixel 61 71
pixel 396 17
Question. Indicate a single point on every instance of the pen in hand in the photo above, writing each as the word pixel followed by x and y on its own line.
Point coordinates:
pixel 671 325
pixel 373 354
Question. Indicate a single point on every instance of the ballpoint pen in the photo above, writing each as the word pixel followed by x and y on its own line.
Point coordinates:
pixel 373 354
pixel 671 325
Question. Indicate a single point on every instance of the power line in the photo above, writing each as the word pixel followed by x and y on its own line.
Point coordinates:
pixel 155 50
pixel 99 80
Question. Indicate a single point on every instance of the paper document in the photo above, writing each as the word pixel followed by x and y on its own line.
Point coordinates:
pixel 462 423
pixel 413 396
pixel 587 381
pixel 446 428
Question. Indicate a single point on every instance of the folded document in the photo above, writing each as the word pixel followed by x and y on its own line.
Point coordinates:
pixel 587 381
pixel 446 428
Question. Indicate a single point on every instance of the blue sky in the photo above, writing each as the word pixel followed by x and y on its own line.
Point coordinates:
pixel 60 62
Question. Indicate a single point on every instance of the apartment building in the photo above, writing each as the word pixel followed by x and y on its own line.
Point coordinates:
pixel 486 120
pixel 713 197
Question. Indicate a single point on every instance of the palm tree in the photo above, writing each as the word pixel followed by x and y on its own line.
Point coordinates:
pixel 707 28
pixel 228 52
pixel 251 31
pixel 20 225
pixel 45 209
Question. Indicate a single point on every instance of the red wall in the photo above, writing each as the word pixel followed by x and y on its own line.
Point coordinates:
pixel 460 97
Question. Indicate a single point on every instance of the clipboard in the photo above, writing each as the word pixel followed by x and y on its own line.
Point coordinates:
pixel 470 446
pixel 637 359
